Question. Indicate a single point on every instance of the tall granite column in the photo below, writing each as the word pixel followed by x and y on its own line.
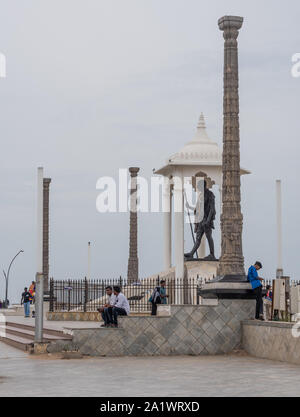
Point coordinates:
pixel 232 260
pixel 133 262
pixel 46 188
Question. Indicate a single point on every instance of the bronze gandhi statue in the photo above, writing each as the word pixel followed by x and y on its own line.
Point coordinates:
pixel 206 225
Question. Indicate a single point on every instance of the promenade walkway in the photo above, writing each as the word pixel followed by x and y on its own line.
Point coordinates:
pixel 234 375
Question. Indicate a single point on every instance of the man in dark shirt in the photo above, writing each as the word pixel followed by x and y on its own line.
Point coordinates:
pixel 26 301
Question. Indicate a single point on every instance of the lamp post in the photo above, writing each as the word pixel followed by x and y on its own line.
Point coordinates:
pixel 89 261
pixel 6 276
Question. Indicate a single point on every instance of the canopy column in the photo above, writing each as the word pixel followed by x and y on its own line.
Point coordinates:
pixel 167 221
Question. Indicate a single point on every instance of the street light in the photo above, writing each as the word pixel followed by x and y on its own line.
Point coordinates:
pixel 6 276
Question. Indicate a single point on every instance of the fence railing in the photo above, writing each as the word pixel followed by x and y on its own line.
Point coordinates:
pixel 88 295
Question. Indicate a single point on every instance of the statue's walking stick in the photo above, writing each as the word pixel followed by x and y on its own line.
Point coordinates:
pixel 191 225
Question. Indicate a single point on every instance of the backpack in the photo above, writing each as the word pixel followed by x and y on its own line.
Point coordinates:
pixel 155 297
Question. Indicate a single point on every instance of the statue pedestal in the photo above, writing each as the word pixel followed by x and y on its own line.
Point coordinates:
pixel 203 269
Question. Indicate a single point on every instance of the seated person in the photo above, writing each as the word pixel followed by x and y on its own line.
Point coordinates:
pixel 121 306
pixel 106 310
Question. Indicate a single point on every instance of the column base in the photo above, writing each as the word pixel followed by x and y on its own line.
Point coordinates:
pixel 228 287
pixel 232 278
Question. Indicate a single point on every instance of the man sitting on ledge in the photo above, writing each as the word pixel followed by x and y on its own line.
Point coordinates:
pixel 106 310
pixel 121 306
pixel 256 283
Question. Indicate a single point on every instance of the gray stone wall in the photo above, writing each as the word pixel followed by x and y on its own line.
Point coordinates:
pixel 272 340
pixel 188 330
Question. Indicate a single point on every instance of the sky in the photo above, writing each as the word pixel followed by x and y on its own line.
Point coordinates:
pixel 97 85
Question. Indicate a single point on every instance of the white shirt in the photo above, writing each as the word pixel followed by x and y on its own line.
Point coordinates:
pixel 112 299
pixel 122 302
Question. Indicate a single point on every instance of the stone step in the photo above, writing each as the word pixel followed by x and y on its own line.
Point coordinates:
pixel 50 332
pixel 21 336
pixel 17 342
pixel 29 334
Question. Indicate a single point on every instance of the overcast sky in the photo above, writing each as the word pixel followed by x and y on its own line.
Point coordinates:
pixel 97 85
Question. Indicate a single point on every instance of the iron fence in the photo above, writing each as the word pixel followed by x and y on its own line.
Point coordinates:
pixel 88 295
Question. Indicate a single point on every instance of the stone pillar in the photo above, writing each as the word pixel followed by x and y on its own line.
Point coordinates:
pixel 232 260
pixel 178 232
pixel 167 220
pixel 46 188
pixel 133 262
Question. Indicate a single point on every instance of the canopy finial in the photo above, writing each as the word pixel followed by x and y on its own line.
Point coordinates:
pixel 201 123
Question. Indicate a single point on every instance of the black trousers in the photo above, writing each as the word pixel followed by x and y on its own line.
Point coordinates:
pixel 116 311
pixel 259 301
pixel 107 315
pixel 154 308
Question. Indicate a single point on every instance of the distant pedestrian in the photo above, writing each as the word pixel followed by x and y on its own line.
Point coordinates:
pixel 269 293
pixel 256 283
pixel 158 296
pixel 268 303
pixel 121 306
pixel 26 301
pixel 32 292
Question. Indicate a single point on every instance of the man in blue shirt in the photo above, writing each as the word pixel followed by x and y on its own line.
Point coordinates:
pixel 256 283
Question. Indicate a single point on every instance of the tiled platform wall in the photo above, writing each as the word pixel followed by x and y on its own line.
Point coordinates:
pixel 188 330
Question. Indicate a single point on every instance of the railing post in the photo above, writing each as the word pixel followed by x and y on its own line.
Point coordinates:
pixel 86 294
pixel 51 301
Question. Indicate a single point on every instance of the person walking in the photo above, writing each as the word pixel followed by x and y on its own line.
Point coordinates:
pixel 121 306
pixel 26 301
pixel 256 283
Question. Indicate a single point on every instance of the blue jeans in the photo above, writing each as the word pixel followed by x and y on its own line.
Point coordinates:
pixel 27 309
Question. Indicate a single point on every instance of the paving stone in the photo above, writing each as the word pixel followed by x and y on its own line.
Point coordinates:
pixel 212 348
pixel 197 348
pixel 211 331
pixel 204 339
pixel 219 323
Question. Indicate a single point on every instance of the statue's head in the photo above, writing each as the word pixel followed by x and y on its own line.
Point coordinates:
pixel 199 185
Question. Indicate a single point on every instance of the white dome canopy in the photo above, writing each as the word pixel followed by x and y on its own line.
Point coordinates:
pixel 199 151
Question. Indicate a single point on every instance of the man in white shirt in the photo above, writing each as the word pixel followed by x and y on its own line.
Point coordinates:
pixel 106 310
pixel 121 306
